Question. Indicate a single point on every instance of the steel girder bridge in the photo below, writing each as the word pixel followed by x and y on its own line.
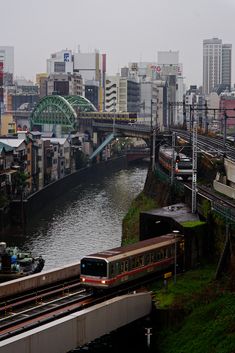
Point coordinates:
pixel 60 110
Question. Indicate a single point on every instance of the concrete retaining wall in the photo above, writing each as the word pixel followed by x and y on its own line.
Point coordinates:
pixel 224 189
pixel 34 282
pixel 40 199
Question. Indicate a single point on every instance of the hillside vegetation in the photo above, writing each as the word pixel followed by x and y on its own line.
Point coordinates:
pixel 207 309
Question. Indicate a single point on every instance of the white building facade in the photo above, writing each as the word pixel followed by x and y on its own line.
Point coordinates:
pixel 216 64
pixel 92 67
pixel 60 62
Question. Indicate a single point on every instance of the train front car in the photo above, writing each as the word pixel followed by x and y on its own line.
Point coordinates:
pixel 94 272
pixel 182 164
pixel 184 167
pixel 122 265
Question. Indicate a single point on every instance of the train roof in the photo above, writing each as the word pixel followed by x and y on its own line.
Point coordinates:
pixel 168 151
pixel 132 249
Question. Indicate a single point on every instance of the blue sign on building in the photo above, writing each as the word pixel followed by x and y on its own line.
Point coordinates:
pixel 66 57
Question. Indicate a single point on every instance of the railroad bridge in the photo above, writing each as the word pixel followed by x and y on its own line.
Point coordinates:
pixel 75 328
pixel 66 114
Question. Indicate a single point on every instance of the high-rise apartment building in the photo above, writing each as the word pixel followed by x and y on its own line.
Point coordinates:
pixel 122 94
pixel 216 64
pixel 226 65
pixel 171 71
pixel 7 58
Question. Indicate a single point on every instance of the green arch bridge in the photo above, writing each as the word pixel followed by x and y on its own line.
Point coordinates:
pixel 60 110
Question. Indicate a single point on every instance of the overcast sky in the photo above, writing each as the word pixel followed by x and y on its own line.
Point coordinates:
pixel 126 30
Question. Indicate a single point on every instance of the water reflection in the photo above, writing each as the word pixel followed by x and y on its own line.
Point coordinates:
pixel 84 220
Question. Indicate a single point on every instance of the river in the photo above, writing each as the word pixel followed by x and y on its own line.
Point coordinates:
pixel 84 220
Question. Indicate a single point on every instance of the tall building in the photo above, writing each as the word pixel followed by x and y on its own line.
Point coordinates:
pixel 92 67
pixel 122 94
pixel 65 84
pixel 171 71
pixel 60 62
pixel 216 64
pixel 41 81
pixel 7 56
pixel 226 65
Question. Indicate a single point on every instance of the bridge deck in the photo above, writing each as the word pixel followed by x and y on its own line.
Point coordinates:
pixel 80 328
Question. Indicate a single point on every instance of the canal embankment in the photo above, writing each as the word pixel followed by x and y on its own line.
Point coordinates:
pixel 20 212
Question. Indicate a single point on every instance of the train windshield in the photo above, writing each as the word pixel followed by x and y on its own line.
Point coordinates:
pixel 94 267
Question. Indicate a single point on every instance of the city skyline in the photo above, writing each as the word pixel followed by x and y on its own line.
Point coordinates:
pixel 123 31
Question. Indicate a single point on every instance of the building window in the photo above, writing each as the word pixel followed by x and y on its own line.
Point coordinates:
pixel 59 66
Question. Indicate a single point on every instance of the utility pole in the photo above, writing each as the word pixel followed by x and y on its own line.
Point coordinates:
pixel 194 171
pixel 206 119
pixel 173 158
pixel 154 139
pixel 1 91
pixel 190 123
pixel 184 115
pixel 225 131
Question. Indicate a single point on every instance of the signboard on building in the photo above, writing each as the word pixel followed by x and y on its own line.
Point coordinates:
pixel 134 67
pixel 66 57
pixel 167 70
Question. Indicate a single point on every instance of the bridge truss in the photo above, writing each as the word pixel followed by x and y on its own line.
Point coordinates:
pixel 60 110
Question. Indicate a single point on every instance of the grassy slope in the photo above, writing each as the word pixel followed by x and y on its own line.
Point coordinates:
pixel 209 326
pixel 130 227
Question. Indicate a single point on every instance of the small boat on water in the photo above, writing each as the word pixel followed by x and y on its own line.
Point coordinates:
pixel 15 263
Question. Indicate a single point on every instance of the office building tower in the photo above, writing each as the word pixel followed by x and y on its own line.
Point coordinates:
pixel 226 65
pixel 122 94
pixel 216 65
pixel 92 67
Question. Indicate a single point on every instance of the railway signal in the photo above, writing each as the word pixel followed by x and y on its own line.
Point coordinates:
pixel 177 159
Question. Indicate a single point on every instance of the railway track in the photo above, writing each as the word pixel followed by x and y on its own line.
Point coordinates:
pixel 18 313
pixel 27 312
pixel 220 203
pixel 211 145
pixel 41 313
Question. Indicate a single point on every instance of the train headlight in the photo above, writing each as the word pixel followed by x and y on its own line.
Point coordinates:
pixel 103 282
pixel 83 279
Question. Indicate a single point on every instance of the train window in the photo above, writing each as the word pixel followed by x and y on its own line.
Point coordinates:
pixel 133 265
pixel 112 271
pixel 118 267
pixel 147 259
pixel 139 261
pixel 122 266
pixel 182 245
pixel 152 256
pixel 94 267
pixel 126 265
